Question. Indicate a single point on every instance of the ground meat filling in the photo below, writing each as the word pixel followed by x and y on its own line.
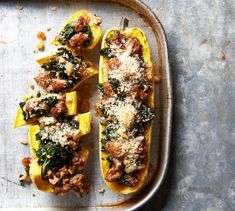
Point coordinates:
pixel 124 109
pixel 63 71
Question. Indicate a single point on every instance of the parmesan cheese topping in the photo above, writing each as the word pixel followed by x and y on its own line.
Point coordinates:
pixel 60 133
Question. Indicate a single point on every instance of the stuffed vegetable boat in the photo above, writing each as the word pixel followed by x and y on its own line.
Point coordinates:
pixel 45 107
pixel 125 108
pixel 63 71
pixel 58 158
pixel 81 31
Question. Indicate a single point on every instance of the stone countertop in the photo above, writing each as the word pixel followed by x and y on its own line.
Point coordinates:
pixel 201 173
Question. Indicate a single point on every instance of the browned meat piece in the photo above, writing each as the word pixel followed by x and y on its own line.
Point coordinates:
pixel 114 148
pixel 80 184
pixel 78 24
pixel 79 161
pixel 116 38
pixel 55 85
pixel 107 89
pixel 62 189
pixel 58 85
pixel 132 180
pixel 60 107
pixel 115 172
pixel 43 80
pixel 136 46
pixel 114 63
pixel 77 40
pixel 139 94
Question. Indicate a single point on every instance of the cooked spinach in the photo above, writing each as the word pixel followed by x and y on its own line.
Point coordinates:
pixel 105 52
pixel 55 67
pixel 66 33
pixel 51 101
pixel 115 83
pixel 87 30
pixel 74 124
pixel 66 54
pixel 146 112
pixel 100 87
pixel 24 112
pixel 110 160
pixel 124 179
pixel 53 156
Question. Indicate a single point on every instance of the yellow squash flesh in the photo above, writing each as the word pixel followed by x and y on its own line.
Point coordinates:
pixel 95 29
pixel 104 164
pixel 71 103
pixel 35 168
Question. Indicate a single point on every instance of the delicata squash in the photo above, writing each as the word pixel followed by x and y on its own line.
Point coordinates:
pixel 125 108
pixel 63 71
pixel 58 158
pixel 81 31
pixel 45 108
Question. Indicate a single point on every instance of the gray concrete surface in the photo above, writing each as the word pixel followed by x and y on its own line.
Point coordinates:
pixel 201 36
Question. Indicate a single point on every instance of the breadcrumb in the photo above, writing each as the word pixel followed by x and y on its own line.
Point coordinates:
pixel 48 28
pixel 41 35
pixel 40 45
pixel 101 190
pixel 24 142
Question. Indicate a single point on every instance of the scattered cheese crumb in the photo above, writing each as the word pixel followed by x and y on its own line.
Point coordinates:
pixel 222 55
pixel 101 190
pixel 53 8
pixel 41 35
pixel 24 142
pixel 40 45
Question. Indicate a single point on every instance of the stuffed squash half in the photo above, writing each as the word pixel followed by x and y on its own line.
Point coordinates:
pixel 45 107
pixel 63 71
pixel 81 31
pixel 125 108
pixel 58 158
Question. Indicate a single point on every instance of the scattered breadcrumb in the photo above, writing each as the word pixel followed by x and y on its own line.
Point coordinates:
pixel 32 86
pixel 157 79
pixel 33 194
pixel 35 51
pixel 101 190
pixel 53 8
pixel 204 41
pixel 40 45
pixel 41 35
pixel 24 142
pixel 48 28
pixel 25 178
pixel 19 7
pixel 222 55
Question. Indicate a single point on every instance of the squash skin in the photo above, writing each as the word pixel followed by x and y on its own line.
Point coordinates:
pixel 95 29
pixel 35 168
pixel 71 103
pixel 104 164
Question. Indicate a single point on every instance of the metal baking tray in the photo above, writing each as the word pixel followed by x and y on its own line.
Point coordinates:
pixel 19 27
